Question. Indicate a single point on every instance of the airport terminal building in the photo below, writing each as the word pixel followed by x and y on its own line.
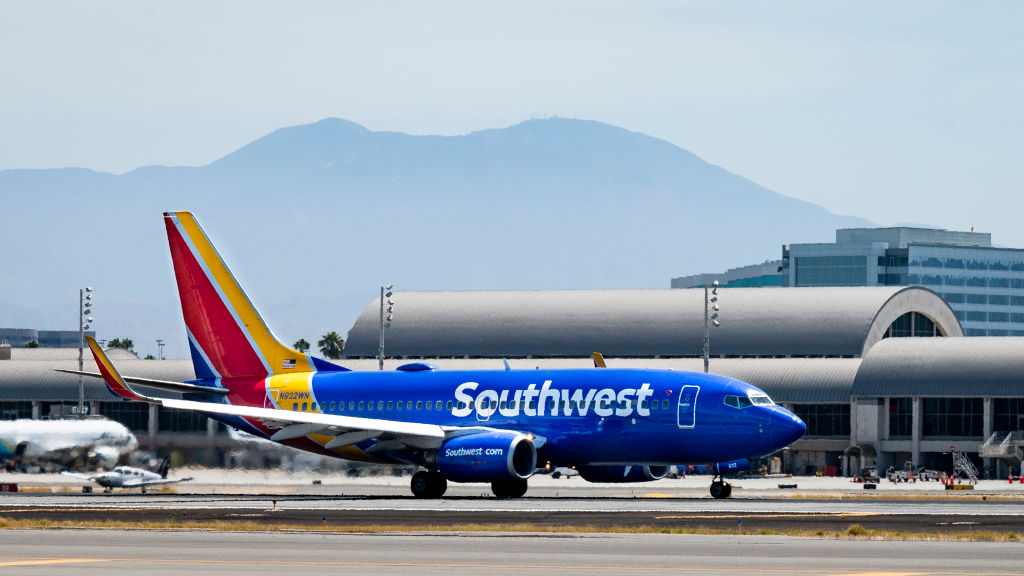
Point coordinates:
pixel 881 375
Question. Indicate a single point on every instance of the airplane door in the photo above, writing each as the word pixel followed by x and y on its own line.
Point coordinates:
pixel 483 410
pixel 686 415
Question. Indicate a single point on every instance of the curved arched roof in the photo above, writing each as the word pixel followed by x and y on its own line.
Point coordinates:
pixel 37 380
pixel 756 322
pixel 957 367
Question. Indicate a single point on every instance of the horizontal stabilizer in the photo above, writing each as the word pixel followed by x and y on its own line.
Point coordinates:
pixel 167 385
pixel 115 383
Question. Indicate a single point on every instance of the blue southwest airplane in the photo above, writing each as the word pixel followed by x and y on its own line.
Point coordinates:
pixel 612 425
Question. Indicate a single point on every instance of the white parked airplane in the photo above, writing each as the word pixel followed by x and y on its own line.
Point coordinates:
pixel 92 441
pixel 128 477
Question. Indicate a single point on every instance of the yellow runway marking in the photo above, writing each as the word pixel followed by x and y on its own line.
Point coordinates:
pixel 887 574
pixel 799 515
pixel 47 561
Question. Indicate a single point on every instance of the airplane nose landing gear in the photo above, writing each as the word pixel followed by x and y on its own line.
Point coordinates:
pixel 720 488
pixel 428 484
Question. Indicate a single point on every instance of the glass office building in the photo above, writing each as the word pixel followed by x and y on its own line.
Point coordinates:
pixel 984 285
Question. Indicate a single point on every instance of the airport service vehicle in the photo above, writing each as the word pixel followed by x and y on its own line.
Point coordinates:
pixel 129 477
pixel 868 475
pixel 611 425
pixel 89 441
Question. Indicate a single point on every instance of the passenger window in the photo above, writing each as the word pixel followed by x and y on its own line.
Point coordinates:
pixel 361 404
pixel 312 406
pixel 332 406
pixel 408 405
pixel 295 407
pixel 449 405
pixel 399 405
pixel 531 405
pixel 304 406
pixel 369 406
pixel 438 405
pixel 391 405
pixel 429 405
pixel 643 405
pixel 419 404
pixel 380 405
pixel 664 404
pixel 352 406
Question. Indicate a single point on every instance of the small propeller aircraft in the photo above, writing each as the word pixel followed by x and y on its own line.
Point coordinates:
pixel 128 477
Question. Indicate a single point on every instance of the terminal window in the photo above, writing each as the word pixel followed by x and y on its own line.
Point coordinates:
pixel 831 271
pixel 952 417
pixel 901 417
pixel 825 419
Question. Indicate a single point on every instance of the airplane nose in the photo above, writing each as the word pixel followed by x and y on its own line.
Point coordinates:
pixel 786 427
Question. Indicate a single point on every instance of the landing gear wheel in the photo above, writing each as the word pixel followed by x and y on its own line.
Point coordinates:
pixel 440 484
pixel 509 488
pixel 721 489
pixel 428 484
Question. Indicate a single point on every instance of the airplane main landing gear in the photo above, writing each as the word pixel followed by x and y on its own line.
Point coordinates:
pixel 509 488
pixel 720 488
pixel 428 484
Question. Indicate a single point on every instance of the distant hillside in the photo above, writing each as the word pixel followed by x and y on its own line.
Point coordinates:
pixel 313 218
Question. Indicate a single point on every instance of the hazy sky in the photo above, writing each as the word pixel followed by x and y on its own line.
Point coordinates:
pixel 893 111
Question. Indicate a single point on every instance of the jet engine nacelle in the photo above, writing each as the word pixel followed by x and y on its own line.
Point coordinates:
pixel 610 474
pixel 730 466
pixel 487 457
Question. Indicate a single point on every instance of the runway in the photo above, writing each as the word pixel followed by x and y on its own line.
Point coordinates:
pixel 114 552
pixel 758 505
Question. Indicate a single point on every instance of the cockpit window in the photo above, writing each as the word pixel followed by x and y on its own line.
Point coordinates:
pixel 747 401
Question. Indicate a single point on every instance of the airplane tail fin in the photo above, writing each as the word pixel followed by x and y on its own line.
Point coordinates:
pixel 165 465
pixel 227 336
pixel 115 383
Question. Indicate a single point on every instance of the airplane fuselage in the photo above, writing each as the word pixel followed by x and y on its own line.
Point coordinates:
pixel 579 416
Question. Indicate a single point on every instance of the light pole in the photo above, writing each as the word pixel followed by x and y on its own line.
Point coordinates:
pixel 84 318
pixel 711 309
pixel 385 292
pixel 160 348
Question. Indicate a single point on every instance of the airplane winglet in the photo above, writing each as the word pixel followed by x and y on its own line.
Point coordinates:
pixel 598 359
pixel 113 380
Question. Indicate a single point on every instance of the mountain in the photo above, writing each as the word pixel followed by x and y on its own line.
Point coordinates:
pixel 312 219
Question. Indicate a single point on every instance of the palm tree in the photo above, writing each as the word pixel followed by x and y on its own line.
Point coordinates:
pixel 331 345
pixel 301 345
